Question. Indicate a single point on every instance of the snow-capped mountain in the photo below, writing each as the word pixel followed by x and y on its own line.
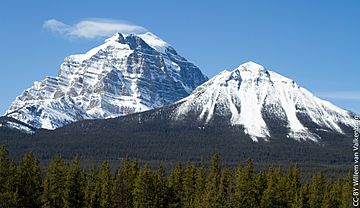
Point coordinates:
pixel 259 100
pixel 127 74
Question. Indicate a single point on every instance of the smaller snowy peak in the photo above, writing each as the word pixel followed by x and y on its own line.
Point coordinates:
pixel 250 71
pixel 254 98
pixel 251 66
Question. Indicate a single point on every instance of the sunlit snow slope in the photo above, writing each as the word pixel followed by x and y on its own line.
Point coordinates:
pixel 249 95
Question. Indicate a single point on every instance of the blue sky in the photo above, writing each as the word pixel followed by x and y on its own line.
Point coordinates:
pixel 316 43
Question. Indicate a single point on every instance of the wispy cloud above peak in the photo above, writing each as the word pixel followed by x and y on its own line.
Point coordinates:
pixel 91 28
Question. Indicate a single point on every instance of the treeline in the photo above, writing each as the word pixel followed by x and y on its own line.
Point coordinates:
pixel 67 185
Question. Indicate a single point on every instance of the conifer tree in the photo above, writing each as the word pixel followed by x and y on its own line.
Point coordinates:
pixel 106 199
pixel 293 184
pixel 284 186
pixel 225 193
pixel 316 189
pixel 200 183
pixel 54 183
pixel 4 168
pixel 260 186
pixel 7 180
pixel 92 189
pixel 124 183
pixel 144 190
pixel 74 195
pixel 160 185
pixel 189 183
pixel 29 182
pixel 212 184
pixel 175 181
pixel 296 203
pixel 271 196
pixel 346 191
pixel 331 195
pixel 302 199
pixel 245 192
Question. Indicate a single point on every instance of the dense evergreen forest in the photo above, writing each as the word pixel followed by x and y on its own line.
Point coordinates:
pixel 186 185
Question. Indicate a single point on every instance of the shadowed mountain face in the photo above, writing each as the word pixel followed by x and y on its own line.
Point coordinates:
pixel 126 74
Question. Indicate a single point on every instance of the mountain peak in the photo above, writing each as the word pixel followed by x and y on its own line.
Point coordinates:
pixel 258 100
pixel 117 37
pixel 126 74
pixel 150 38
pixel 250 71
pixel 252 67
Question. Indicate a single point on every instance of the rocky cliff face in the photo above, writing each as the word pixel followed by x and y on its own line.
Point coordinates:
pixel 126 74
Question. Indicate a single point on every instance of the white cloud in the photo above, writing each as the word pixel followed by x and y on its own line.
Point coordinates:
pixel 91 28
pixel 341 95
